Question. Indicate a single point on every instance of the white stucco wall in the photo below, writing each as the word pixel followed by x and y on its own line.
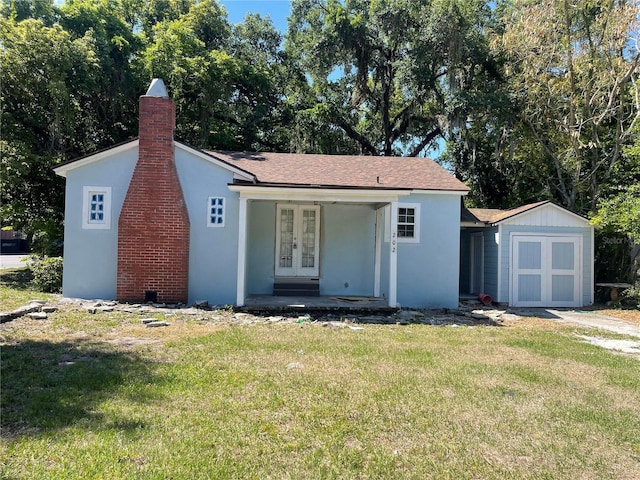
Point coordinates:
pixel 213 251
pixel 428 271
pixel 90 255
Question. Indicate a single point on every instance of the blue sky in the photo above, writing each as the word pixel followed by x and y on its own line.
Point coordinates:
pixel 277 10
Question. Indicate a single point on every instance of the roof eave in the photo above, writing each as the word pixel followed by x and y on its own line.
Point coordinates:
pixel 65 167
pixel 307 193
pixel 441 191
pixel 536 207
pixel 258 184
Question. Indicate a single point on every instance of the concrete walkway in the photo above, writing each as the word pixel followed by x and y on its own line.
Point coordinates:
pixel 604 323
pixel 595 320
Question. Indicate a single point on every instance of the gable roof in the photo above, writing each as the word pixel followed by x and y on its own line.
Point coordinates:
pixel 311 170
pixel 494 216
pixel 343 171
pixel 64 168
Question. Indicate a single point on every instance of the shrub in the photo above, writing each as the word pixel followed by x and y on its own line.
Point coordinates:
pixel 47 273
pixel 631 296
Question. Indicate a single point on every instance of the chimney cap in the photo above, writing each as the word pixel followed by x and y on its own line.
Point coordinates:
pixel 157 89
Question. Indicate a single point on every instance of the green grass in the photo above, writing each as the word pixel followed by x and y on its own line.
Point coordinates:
pixel 16 289
pixel 197 401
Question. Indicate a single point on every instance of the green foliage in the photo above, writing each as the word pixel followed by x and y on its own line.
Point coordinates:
pixel 228 81
pixel 47 273
pixel 618 211
pixel 533 100
pixel 621 213
pixel 44 73
pixel 631 297
pixel 390 75
pixel 570 68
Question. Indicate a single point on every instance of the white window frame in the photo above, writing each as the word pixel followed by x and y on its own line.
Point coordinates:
pixel 218 215
pixel 87 193
pixel 416 224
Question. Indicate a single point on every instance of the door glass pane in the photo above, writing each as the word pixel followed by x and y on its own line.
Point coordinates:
pixel 562 255
pixel 529 288
pixel 308 238
pixel 530 255
pixel 286 239
pixel 562 288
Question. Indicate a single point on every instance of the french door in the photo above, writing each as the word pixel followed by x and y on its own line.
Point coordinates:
pixel 297 240
pixel 546 271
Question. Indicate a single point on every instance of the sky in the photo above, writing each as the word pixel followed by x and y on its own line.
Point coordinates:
pixel 277 10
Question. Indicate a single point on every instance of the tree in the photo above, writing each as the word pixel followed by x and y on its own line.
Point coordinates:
pixel 571 68
pixel 110 103
pixel 229 83
pixel 389 73
pixel 619 206
pixel 44 72
pixel 23 9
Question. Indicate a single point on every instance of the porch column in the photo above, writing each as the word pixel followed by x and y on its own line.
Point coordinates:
pixel 378 253
pixel 393 256
pixel 242 251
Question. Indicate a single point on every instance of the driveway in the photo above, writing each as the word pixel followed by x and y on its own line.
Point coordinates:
pixel 595 320
pixel 11 261
pixel 588 319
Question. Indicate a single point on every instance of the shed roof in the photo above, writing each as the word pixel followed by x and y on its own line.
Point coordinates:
pixel 492 216
pixel 495 215
pixel 343 171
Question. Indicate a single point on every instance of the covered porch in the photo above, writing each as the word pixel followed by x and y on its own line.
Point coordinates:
pixel 333 237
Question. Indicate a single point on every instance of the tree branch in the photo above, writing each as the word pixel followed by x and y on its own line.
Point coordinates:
pixel 364 142
pixel 425 141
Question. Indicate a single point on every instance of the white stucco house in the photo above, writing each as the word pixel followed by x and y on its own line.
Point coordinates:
pixel 156 219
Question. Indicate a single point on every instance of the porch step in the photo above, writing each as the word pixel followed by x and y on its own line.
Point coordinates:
pixel 296 287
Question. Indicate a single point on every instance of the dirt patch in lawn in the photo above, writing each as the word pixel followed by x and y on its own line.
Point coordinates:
pixel 632 316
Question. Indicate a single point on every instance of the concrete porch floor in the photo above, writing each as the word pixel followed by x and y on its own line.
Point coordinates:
pixel 318 304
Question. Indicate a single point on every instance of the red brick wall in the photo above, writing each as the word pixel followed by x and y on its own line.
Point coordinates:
pixel 153 228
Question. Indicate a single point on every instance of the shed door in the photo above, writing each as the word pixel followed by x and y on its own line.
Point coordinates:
pixel 297 240
pixel 546 271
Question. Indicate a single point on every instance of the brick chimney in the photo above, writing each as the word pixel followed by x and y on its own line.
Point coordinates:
pixel 153 228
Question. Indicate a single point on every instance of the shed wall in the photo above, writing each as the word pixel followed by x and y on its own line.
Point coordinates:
pixel 505 255
pixel 490 252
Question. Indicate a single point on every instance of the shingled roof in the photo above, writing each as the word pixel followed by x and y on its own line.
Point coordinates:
pixel 494 215
pixel 342 171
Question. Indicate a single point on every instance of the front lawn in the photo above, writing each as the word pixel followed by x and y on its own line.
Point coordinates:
pixel 16 289
pixel 101 396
